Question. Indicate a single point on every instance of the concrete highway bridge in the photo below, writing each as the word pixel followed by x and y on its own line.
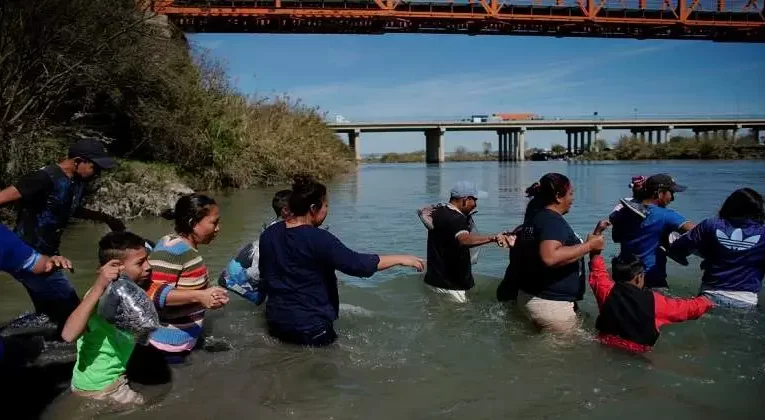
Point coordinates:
pixel 580 133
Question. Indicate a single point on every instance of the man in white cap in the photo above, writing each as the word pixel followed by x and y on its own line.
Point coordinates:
pixel 449 242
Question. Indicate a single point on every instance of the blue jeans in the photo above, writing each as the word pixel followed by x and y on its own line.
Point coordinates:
pixel 726 302
pixel 52 294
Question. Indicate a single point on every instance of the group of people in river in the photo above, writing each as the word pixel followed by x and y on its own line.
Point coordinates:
pixel 291 267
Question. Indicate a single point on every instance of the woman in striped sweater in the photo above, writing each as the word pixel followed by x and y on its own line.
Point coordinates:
pixel 180 281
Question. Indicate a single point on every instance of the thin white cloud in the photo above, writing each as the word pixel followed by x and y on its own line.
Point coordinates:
pixel 453 95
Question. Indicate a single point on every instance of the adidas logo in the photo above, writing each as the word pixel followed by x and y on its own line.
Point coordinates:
pixel 736 240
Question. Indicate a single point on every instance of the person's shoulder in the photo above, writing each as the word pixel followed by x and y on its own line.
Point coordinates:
pixel 442 210
pixel 173 244
pixel 546 216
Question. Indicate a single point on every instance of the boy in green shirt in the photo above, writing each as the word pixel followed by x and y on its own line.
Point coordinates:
pixel 103 350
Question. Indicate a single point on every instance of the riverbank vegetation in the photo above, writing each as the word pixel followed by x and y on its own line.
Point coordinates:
pixel 102 68
pixel 680 147
pixel 460 154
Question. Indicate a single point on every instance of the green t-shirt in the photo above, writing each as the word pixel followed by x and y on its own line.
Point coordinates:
pixel 102 355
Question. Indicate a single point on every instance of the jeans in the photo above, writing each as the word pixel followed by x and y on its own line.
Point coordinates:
pixel 52 294
pixel 320 337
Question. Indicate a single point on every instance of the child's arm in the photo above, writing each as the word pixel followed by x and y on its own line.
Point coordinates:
pixel 78 320
pixel 670 310
pixel 600 281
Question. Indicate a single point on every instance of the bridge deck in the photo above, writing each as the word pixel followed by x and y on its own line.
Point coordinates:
pixel 718 20
pixel 710 124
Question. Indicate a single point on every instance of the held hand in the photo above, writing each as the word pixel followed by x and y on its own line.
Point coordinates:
pixel 411 261
pixel 116 225
pixel 597 243
pixel 58 263
pixel 601 227
pixel 108 273
pixel 213 298
pixel 506 240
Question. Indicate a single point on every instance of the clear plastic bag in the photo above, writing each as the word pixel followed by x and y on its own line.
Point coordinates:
pixel 128 308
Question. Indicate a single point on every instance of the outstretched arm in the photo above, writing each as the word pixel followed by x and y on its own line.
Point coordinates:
pixel 689 242
pixel 114 223
pixel 670 310
pixel 600 282
pixel 9 195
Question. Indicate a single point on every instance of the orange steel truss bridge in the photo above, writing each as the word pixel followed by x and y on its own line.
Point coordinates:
pixel 716 20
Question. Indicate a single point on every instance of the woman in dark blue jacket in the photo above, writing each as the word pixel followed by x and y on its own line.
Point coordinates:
pixel 298 263
pixel 733 248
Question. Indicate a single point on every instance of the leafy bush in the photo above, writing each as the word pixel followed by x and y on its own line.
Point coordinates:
pixel 105 68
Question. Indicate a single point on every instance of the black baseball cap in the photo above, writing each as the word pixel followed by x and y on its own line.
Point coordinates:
pixel 664 182
pixel 94 151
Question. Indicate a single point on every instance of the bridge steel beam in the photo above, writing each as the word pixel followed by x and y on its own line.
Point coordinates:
pixel 434 145
pixel 677 19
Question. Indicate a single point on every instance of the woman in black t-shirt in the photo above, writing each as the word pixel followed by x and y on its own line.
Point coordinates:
pixel 546 260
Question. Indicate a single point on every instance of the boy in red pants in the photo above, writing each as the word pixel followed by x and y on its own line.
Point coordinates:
pixel 630 316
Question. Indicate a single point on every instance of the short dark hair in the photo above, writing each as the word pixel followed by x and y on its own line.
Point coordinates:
pixel 626 267
pixel 114 244
pixel 743 204
pixel 306 192
pixel 281 200
pixel 189 210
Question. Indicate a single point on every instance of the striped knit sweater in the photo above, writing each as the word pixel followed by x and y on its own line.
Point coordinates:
pixel 175 264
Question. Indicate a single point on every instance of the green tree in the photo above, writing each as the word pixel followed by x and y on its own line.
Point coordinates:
pixel 559 149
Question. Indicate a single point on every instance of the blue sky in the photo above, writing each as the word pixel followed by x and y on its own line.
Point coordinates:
pixel 441 76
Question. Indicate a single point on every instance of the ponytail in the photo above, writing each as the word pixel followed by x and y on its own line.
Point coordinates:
pixel 546 191
pixel 306 193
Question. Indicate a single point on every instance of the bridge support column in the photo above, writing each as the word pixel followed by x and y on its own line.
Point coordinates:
pixel 434 145
pixel 522 144
pixel 588 147
pixel 354 138
pixel 598 129
pixel 568 135
pixel 642 136
pixel 513 155
pixel 500 144
pixel 666 134
pixel 756 134
pixel 650 136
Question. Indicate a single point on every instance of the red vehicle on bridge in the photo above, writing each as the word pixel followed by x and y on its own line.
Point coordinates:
pixel 517 117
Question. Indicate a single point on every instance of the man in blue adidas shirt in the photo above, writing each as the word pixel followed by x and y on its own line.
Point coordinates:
pixel 733 248
pixel 645 237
